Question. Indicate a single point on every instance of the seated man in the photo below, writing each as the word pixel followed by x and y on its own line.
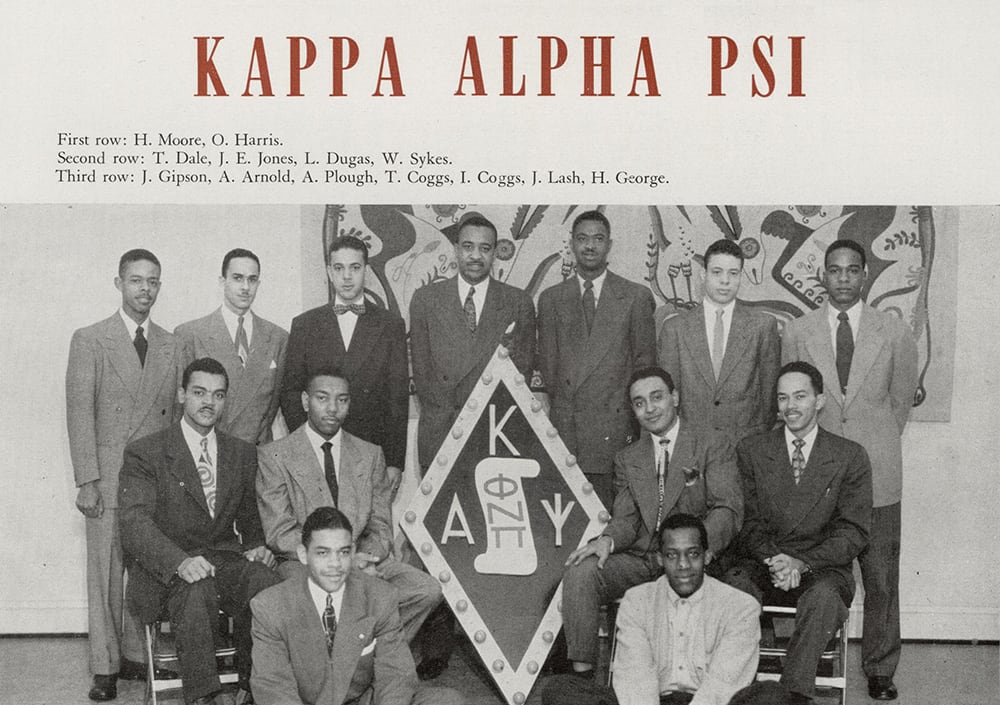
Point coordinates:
pixel 181 491
pixel 332 634
pixel 320 464
pixel 809 504
pixel 669 470
pixel 685 638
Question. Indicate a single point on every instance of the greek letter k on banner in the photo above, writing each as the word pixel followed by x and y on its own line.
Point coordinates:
pixel 494 519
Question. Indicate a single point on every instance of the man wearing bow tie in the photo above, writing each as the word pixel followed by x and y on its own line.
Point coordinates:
pixel 364 341
pixel 250 348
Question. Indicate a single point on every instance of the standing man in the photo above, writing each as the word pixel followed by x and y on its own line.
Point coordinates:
pixel 682 638
pixel 321 464
pixel 724 356
pixel 189 523
pixel 670 470
pixel 363 340
pixel 594 331
pixel 808 497
pixel 456 325
pixel 120 385
pixel 331 634
pixel 870 360
pixel 251 349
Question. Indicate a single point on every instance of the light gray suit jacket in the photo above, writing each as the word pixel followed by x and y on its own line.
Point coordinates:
pixel 252 400
pixel 880 388
pixel 111 400
pixel 742 402
pixel 291 485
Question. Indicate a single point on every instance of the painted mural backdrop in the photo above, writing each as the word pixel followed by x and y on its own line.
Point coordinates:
pixel 662 246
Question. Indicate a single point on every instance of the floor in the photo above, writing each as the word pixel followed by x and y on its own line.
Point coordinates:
pixel 53 670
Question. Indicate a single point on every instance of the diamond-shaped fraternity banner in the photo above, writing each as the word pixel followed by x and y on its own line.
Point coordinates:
pixel 494 519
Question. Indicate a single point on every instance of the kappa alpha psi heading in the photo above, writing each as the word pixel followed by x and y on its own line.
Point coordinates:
pixel 494 519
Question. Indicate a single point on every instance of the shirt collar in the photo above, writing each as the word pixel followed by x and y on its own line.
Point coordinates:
pixel 670 435
pixel 853 315
pixel 809 438
pixel 318 595
pixel 464 286
pixel 232 319
pixel 597 281
pixel 711 307
pixel 193 438
pixel 318 440
pixel 131 325
pixel 694 598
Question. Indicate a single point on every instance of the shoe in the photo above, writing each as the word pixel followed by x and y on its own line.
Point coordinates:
pixel 431 668
pixel 882 688
pixel 244 696
pixel 135 671
pixel 104 688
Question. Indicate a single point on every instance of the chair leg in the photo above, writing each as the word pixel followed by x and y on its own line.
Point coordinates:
pixel 150 667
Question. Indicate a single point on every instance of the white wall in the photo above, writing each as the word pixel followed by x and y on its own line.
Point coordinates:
pixel 56 269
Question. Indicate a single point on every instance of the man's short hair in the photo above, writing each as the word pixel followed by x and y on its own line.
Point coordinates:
pixel 685 521
pixel 846 245
pixel 476 220
pixel 326 372
pixel 596 216
pixel 322 519
pixel 762 693
pixel 136 255
pixel 815 378
pixel 349 242
pixel 235 253
pixel 651 371
pixel 204 364
pixel 725 246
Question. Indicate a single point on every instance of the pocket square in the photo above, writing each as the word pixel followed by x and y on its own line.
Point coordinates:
pixel 691 476
pixel 274 365
pixel 371 647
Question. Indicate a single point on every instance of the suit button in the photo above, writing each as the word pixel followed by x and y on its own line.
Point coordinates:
pixel 717 402
pixel 444 377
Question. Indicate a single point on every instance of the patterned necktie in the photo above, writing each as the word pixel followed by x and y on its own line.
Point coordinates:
pixel 141 345
pixel 798 460
pixel 341 309
pixel 330 471
pixel 718 343
pixel 242 346
pixel 470 309
pixel 661 475
pixel 845 350
pixel 589 305
pixel 329 623
pixel 207 476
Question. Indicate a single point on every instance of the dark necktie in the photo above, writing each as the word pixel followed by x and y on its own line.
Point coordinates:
pixel 470 309
pixel 329 623
pixel 845 350
pixel 718 343
pixel 141 345
pixel 798 460
pixel 589 305
pixel 341 309
pixel 661 476
pixel 331 472
pixel 242 345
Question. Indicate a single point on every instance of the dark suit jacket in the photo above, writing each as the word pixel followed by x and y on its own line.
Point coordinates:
pixel 370 661
pixel 586 376
pixel 164 518
pixel 291 485
pixel 448 358
pixel 743 401
pixel 824 520
pixel 375 366
pixel 701 480
pixel 112 400
pixel 252 399
pixel 880 388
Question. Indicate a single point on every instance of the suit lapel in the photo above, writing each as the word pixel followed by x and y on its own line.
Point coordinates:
pixel 225 473
pixel 160 365
pixel 739 335
pixel 696 340
pixel 452 324
pixel 350 469
pixel 220 342
pixel 183 467
pixel 305 469
pixel 681 456
pixel 121 352
pixel 815 480
pixel 866 350
pixel 257 369
pixel 354 632
pixel 494 321
pixel 611 310
pixel 821 351
pixel 779 480
pixel 644 483
pixel 366 332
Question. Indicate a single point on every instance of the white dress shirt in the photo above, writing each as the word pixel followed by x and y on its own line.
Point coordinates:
pixel 809 438
pixel 317 441
pixel 479 297
pixel 347 321
pixel 709 309
pixel 232 323
pixel 598 283
pixel 131 325
pixel 318 595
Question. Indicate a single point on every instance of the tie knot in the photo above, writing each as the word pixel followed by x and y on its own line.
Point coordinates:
pixel 472 291
pixel 843 317
pixel 326 446
pixel 138 332
pixel 798 443
pixel 664 442
pixel 329 601
pixel 588 285
pixel 719 313
pixel 204 443
pixel 240 319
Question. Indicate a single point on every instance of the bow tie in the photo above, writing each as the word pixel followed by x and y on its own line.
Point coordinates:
pixel 341 309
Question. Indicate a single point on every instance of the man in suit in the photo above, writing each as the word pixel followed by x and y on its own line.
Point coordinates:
pixel 724 356
pixel 251 349
pixel 320 464
pixel 332 635
pixel 456 325
pixel 120 385
pixel 808 497
pixel 184 494
pixel 363 340
pixel 594 330
pixel 873 358
pixel 683 638
pixel 671 469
